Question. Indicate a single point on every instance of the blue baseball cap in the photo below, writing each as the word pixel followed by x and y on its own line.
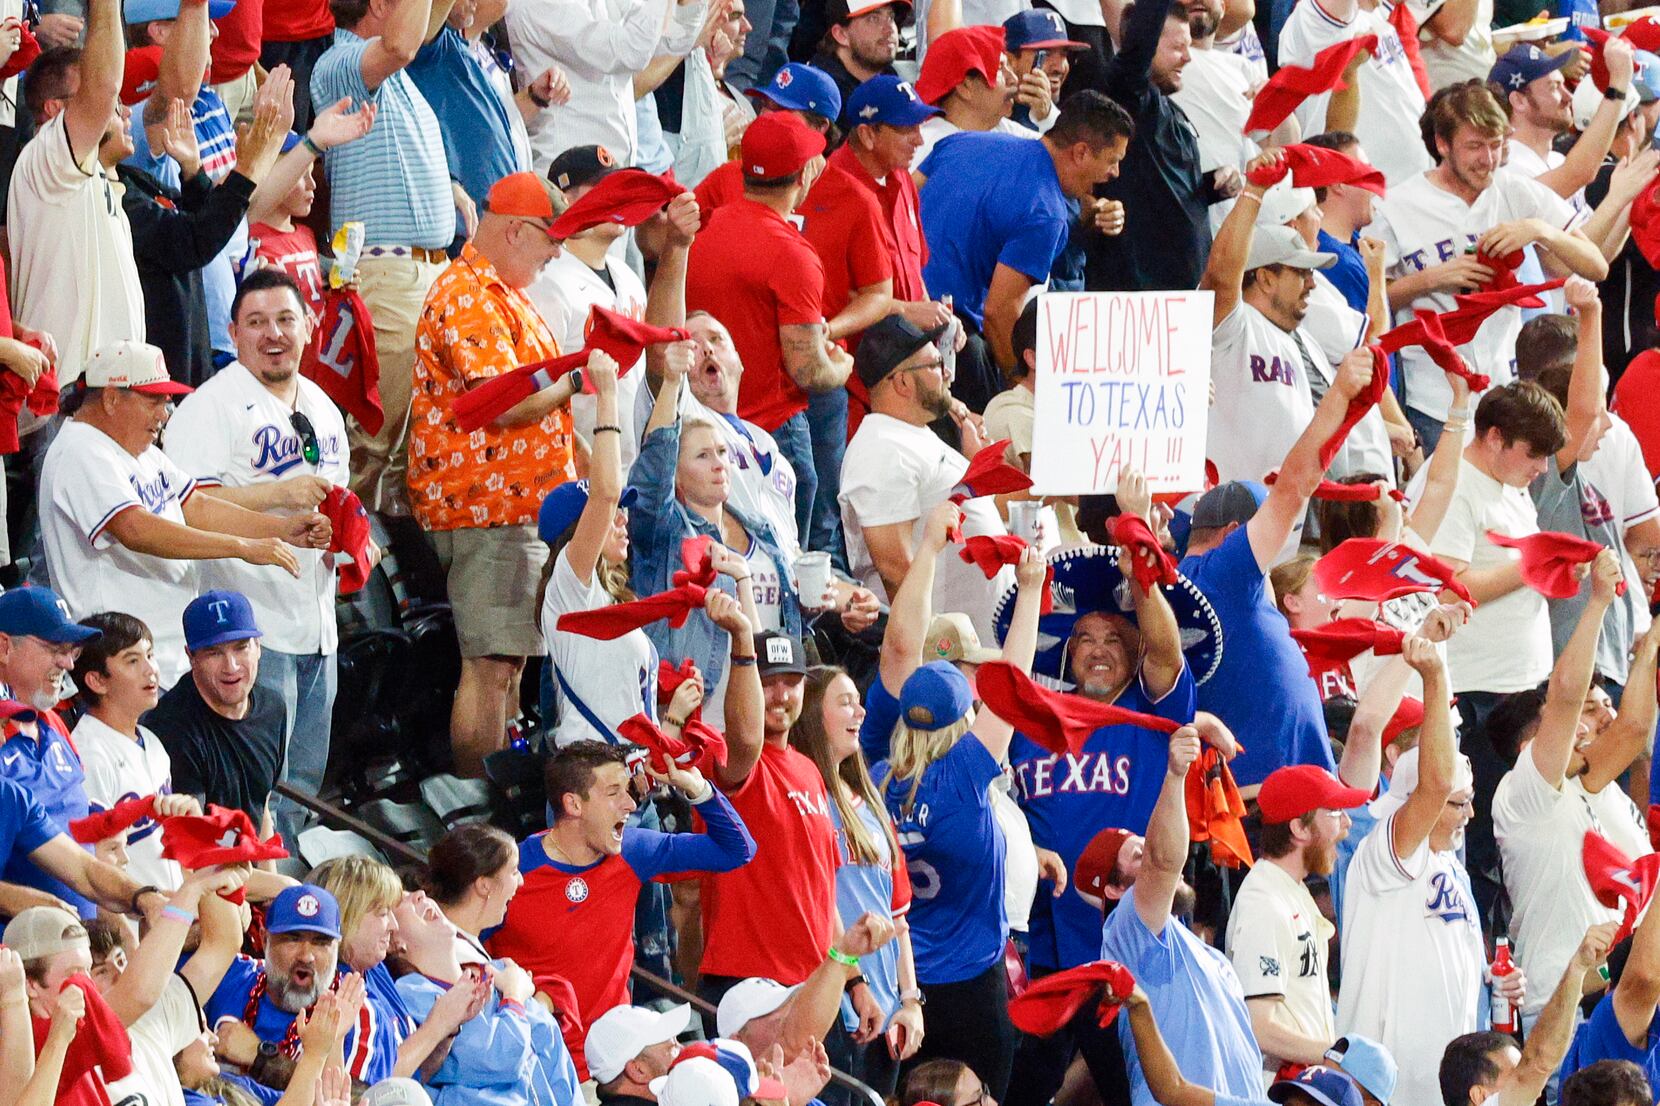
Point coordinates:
pixel 143 11
pixel 215 617
pixel 563 506
pixel 308 908
pixel 1038 29
pixel 1523 64
pixel 38 612
pixel 1366 1062
pixel 934 696
pixel 798 87
pixel 885 100
pixel 1646 77
pixel 1327 1086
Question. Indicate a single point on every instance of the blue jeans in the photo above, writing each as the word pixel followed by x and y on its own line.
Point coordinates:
pixel 768 49
pixel 795 437
pixel 306 684
pixel 827 418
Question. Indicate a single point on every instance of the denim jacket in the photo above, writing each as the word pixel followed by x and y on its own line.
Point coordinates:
pixel 657 524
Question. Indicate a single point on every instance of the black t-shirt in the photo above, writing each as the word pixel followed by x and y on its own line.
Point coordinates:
pixel 228 762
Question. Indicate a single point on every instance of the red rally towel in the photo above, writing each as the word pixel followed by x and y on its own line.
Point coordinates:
pixel 1369 397
pixel 342 361
pixel 1058 721
pixel 1548 560
pixel 1293 84
pixel 1616 879
pixel 15 394
pixel 1367 492
pixel 1215 810
pixel 1053 1001
pixel 100 1041
pixel 627 197
pixel 220 836
pixel 1344 639
pixel 987 474
pixel 1369 568
pixel 1426 330
pixel 990 553
pixel 608 623
pixel 1318 167
pixel 1406 26
pixel 697 744
pixel 669 679
pixel 107 823
pixel 349 536
pixel 1132 534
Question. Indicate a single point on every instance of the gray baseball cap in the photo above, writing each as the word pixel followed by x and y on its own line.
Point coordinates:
pixel 1284 246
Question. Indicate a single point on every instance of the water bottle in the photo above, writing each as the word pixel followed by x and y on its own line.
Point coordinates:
pixel 948 343
pixel 1504 1011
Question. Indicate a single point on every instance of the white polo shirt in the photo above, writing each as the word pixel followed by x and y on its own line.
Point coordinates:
pixel 1277 940
pixel 86 481
pixel 1263 402
pixel 119 768
pixel 73 273
pixel 234 431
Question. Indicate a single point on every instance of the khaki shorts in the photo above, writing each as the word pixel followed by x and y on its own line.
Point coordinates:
pixel 492 575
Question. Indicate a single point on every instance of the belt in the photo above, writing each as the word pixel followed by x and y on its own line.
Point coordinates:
pixel 417 253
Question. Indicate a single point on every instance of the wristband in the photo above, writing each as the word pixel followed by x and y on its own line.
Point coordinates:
pixel 913 995
pixel 1248 196
pixel 306 141
pixel 178 915
pixel 132 903
pixel 539 101
pixel 677 723
pixel 603 429
pixel 742 662
pixel 841 957
pixel 1614 95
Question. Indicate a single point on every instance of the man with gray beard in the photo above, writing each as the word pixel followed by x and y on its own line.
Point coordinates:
pixel 253 1010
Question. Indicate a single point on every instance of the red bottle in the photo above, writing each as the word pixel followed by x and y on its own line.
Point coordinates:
pixel 1504 1011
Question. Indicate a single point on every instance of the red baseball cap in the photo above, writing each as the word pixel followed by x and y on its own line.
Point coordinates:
pixel 1409 714
pixel 1293 791
pixel 956 54
pixel 777 145
pixel 1092 874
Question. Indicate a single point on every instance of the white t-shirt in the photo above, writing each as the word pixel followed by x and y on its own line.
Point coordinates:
pixel 896 472
pixel 233 431
pixel 615 679
pixel 1412 958
pixel 1617 470
pixel 1020 866
pixel 1471 60
pixel 1390 100
pixel 1506 645
pixel 119 768
pixel 764 575
pixel 1618 817
pixel 1339 329
pixel 86 481
pixel 1539 829
pixel 1277 940
pixel 1263 401
pixel 73 273
pixel 1216 98
pixel 1421 226
pixel 938 127
pixel 158 1036
pixel 563 292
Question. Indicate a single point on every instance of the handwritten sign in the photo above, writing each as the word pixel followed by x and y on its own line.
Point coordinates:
pixel 1123 381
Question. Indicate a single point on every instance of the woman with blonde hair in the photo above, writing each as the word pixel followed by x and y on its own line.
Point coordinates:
pixel 396 1043
pixel 871 877
pixel 945 756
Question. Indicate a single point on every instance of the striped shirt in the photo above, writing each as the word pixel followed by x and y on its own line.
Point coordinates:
pixel 215 138
pixel 395 180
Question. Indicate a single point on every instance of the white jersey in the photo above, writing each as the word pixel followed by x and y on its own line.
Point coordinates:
pixel 119 768
pixel 88 479
pixel 1471 60
pixel 563 292
pixel 1539 829
pixel 233 431
pixel 1423 225
pixel 1248 45
pixel 896 472
pixel 1216 98
pixel 1263 401
pixel 1390 99
pixel 604 682
pixel 1412 958
pixel 1277 939
pixel 1338 330
pixel 1618 471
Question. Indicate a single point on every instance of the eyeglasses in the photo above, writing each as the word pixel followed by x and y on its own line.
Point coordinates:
pixel 926 366
pixel 309 447
pixel 544 228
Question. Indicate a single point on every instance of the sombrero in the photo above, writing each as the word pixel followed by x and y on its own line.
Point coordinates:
pixel 1087 580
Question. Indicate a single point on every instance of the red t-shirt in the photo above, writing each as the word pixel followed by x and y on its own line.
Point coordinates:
pixel 901 225
pixel 775 916
pixel 237 47
pixel 1635 401
pixel 297 20
pixel 755 272
pixel 843 223
pixel 294 252
pixel 719 188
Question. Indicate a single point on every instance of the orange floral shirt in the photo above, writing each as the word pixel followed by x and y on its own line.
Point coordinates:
pixel 474 327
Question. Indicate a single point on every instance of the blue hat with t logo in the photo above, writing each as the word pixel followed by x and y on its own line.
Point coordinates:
pixel 215 617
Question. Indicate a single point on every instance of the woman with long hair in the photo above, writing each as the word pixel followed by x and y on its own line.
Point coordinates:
pixel 472 873
pixel 871 877
pixel 945 756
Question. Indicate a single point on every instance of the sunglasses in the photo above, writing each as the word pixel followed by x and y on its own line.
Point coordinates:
pixel 309 447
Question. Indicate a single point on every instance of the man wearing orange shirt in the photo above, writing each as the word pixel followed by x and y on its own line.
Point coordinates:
pixel 478 495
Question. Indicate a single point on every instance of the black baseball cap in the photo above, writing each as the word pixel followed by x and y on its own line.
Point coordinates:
pixel 581 165
pixel 885 347
pixel 779 654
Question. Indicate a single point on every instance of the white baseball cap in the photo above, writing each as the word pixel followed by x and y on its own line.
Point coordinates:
pixel 696 1082
pixel 1588 98
pixel 134 366
pixel 1283 203
pixel 395 1090
pixel 747 1000
pixel 623 1032
pixel 1404 780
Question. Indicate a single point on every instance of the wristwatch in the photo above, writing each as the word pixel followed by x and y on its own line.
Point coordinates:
pixel 1615 94
pixel 575 377
pixel 267 1052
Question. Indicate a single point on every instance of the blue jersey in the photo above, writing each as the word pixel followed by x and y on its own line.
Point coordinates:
pixel 1197 999
pixel 49 768
pixel 1261 687
pixel 1601 1038
pixel 271 1023
pixel 1067 800
pixel 990 199
pixel 881 714
pixel 1348 276
pixel 385 1023
pixel 954 856
pixel 24 824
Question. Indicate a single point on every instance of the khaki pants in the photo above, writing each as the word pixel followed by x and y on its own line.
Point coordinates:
pixel 393 289
pixel 238 95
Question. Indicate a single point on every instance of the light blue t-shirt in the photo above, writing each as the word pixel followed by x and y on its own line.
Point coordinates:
pixel 868 888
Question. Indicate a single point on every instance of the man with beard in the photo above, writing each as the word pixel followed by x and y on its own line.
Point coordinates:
pixel 302 952
pixel 1531 86
pixel 861 44
pixel 1408 892
pixel 273 441
pixel 122 524
pixel 1190 986
pixel 1217 88
pixel 1564 783
pixel 1277 937
pixel 1432 224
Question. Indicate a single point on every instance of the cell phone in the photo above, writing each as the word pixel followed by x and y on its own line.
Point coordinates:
pixel 1039 58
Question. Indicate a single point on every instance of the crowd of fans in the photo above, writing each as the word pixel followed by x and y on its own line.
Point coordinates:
pixel 697 344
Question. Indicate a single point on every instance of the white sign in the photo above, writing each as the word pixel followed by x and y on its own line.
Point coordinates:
pixel 1123 381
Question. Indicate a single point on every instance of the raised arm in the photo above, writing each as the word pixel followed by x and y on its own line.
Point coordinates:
pixel 1019 647
pixel 1638 991
pixel 1443 466
pixel 139 987
pixel 1161 639
pixel 912 607
pixel 220 943
pixel 745 701
pixel 1225 271
pixel 1585 384
pixel 605 478
pixel 1158 1065
pixel 1452 21
pixel 666 298
pixel 1627 736
pixel 103 61
pixel 1412 824
pixel 1128 72
pixel 1167 835
pixel 17 1051
pixel 1547 1042
pixel 817 1004
pixel 1584 158
pixel 400 40
pixel 184 58
pixel 1553 742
